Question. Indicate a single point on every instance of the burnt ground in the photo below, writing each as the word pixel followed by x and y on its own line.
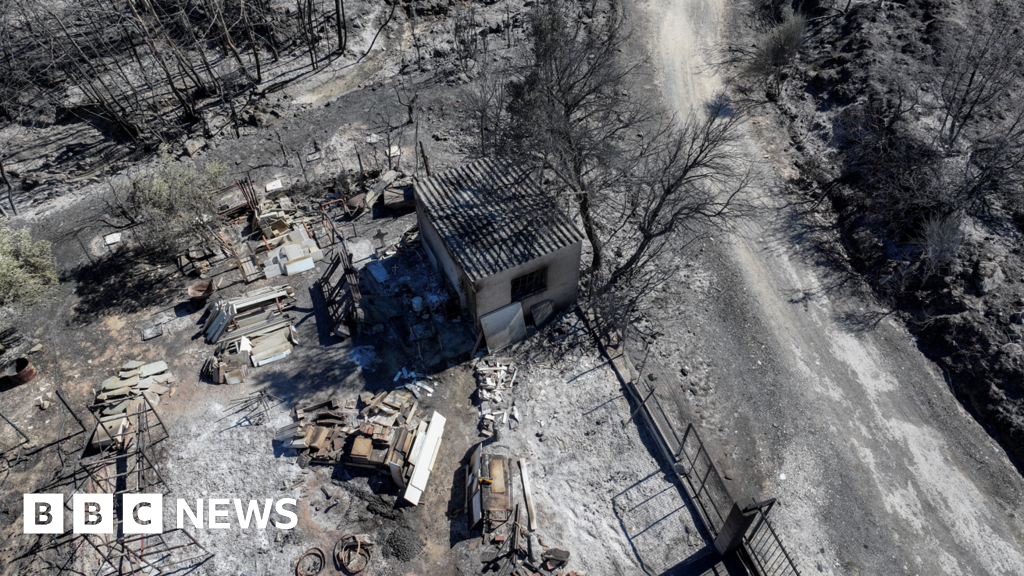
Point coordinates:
pixel 590 474
pixel 804 384
pixel 866 56
pixel 599 491
pixel 877 467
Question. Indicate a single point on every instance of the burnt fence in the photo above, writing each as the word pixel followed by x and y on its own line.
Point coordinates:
pixel 762 549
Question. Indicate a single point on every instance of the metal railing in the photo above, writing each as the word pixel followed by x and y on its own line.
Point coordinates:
pixel 703 481
pixel 764 547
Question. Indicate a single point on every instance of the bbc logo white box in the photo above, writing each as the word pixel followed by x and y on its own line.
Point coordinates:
pixel 92 513
pixel 143 513
pixel 44 513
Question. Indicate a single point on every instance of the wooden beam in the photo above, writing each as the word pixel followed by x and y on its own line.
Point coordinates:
pixel 528 494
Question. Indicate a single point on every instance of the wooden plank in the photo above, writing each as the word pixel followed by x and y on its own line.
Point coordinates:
pixel 428 448
pixel 528 494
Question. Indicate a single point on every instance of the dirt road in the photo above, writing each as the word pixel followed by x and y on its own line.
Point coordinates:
pixel 878 468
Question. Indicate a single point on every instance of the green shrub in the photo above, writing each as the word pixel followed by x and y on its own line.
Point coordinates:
pixel 26 267
pixel 168 207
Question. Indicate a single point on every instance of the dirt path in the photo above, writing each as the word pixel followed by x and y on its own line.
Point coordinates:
pixel 878 468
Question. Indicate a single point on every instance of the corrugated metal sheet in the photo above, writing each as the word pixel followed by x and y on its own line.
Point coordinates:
pixel 493 216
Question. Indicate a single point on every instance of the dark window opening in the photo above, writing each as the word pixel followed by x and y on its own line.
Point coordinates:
pixel 529 284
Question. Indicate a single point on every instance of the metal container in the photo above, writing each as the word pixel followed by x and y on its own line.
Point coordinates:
pixel 201 291
pixel 20 371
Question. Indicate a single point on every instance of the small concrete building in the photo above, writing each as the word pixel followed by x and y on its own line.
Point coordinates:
pixel 498 238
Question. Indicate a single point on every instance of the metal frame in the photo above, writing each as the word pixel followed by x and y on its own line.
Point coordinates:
pixel 134 472
pixel 149 554
pixel 27 440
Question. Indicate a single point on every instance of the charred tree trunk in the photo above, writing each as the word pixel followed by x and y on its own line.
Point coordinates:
pixel 10 189
pixel 252 42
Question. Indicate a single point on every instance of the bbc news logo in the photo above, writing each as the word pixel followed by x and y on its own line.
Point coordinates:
pixel 144 513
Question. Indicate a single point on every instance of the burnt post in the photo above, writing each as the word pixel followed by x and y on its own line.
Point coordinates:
pixel 730 537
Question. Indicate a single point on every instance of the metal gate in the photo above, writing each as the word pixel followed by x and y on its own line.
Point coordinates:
pixel 763 546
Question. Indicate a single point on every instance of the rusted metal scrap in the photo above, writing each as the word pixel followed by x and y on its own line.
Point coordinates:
pixel 352 553
pixel 311 563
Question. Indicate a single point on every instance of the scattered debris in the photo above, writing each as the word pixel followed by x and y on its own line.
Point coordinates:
pixel 387 434
pixel 137 385
pixel 493 376
pixel 371 300
pixel 555 558
pixel 352 553
pixel 253 407
pixel 200 259
pixel 363 202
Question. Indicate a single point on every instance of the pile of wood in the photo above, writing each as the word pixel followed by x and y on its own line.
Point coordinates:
pixel 389 434
pixel 252 314
pixel 137 387
pixel 254 328
pixel 494 380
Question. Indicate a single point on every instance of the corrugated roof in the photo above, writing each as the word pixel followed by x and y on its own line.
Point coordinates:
pixel 493 216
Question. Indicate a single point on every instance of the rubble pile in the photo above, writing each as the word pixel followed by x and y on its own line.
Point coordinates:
pixel 388 434
pixel 495 378
pixel 368 297
pixel 122 396
pixel 362 203
pixel 290 247
pixel 278 216
pixel 292 253
pixel 253 328
pixel 200 259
